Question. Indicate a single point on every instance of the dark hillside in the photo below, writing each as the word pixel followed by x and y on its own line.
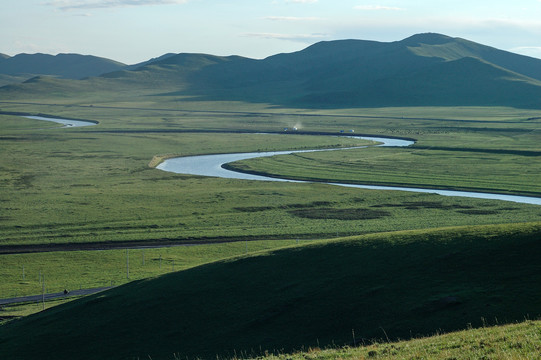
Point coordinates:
pixel 148 62
pixel 455 48
pixel 422 70
pixel 467 81
pixel 69 66
pixel 417 71
pixel 395 284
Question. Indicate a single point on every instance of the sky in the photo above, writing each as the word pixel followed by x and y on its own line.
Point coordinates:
pixel 132 31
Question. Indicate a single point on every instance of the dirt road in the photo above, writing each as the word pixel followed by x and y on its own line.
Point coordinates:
pixel 53 296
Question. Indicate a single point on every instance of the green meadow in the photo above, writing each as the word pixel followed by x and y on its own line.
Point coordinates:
pixel 69 191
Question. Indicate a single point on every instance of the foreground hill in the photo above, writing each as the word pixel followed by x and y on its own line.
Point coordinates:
pixel 422 70
pixel 392 285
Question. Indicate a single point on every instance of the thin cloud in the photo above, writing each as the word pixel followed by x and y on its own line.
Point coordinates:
pixel 533 51
pixel 291 18
pixel 304 1
pixel 66 5
pixel 292 37
pixel 377 8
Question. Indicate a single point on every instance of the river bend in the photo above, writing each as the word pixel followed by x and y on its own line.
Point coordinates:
pixel 212 165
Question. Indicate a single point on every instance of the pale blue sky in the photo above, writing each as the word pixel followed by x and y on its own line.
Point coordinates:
pixel 131 31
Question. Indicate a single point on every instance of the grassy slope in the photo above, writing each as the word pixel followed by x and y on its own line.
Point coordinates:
pixel 403 284
pixel 516 341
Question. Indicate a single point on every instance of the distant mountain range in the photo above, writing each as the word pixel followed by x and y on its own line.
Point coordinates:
pixel 68 66
pixel 422 70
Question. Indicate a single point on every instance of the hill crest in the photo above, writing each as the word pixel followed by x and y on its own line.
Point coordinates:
pixel 421 70
pixel 69 66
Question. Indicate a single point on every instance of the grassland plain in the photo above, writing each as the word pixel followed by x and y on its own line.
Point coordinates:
pixel 93 185
pixel 396 285
pixel 69 186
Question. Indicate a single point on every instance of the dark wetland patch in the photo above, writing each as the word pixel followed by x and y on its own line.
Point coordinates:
pixel 340 214
pixel 249 209
pixel 283 207
pixel 416 205
pixel 479 212
pixel 309 205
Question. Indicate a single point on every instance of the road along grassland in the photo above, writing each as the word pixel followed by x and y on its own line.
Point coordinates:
pixel 54 271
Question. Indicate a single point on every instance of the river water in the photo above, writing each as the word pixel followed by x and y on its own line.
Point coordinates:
pixel 65 122
pixel 212 165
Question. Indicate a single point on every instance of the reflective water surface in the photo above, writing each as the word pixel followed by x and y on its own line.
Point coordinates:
pixel 211 165
pixel 65 122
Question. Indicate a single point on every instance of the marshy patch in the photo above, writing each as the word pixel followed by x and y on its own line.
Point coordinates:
pixel 313 204
pixel 25 181
pixel 81 185
pixel 249 209
pixel 339 214
pixel 416 205
pixel 508 208
pixel 478 212
pixel 304 206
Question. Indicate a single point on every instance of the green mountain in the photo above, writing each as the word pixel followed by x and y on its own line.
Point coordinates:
pixel 422 70
pixel 148 62
pixel 426 69
pixel 388 285
pixel 69 66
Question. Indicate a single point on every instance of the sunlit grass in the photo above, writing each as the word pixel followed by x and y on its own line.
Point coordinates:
pixel 517 341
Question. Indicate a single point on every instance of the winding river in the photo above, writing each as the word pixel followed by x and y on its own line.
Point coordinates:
pixel 65 122
pixel 212 165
